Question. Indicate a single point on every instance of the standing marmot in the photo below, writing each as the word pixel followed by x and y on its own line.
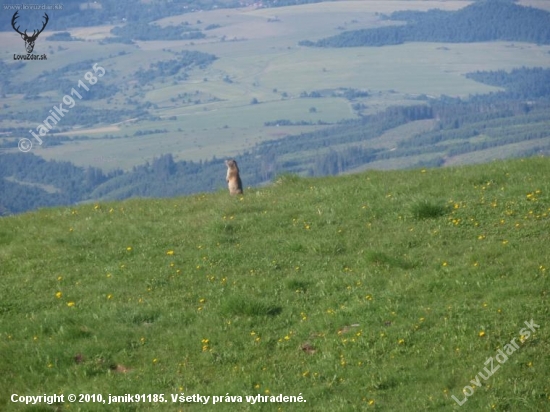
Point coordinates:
pixel 233 178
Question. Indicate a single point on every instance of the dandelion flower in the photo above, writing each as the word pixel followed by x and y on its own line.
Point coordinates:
pixel 70 304
pixel 170 253
pixel 481 334
pixel 58 295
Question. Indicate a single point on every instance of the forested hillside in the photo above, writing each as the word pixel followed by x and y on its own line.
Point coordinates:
pixel 523 83
pixel 28 182
pixel 484 20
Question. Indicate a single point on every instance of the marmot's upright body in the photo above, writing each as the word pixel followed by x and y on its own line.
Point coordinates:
pixel 233 178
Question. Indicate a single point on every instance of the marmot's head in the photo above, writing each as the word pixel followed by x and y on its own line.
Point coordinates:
pixel 231 164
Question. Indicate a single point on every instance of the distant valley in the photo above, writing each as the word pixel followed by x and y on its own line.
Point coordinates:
pixel 278 88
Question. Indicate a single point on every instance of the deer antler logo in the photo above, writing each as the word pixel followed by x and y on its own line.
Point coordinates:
pixel 29 40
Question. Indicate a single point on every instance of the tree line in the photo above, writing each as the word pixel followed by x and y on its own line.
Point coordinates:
pixel 521 83
pixel 485 20
pixel 186 60
pixel 141 31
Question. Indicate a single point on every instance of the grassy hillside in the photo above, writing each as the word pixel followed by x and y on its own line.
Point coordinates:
pixel 378 291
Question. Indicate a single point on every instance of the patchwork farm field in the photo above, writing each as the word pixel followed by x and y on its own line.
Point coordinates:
pixel 378 291
pixel 260 75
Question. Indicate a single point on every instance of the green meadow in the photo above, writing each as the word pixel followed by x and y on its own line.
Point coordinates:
pixel 382 291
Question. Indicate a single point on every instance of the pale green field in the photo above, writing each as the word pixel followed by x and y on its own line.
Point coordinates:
pixel 263 60
pixel 124 153
pixel 496 153
pixel 540 4
pixel 231 114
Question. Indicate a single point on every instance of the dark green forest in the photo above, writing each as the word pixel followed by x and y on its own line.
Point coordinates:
pixel 485 20
pixel 72 183
pixel 523 83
